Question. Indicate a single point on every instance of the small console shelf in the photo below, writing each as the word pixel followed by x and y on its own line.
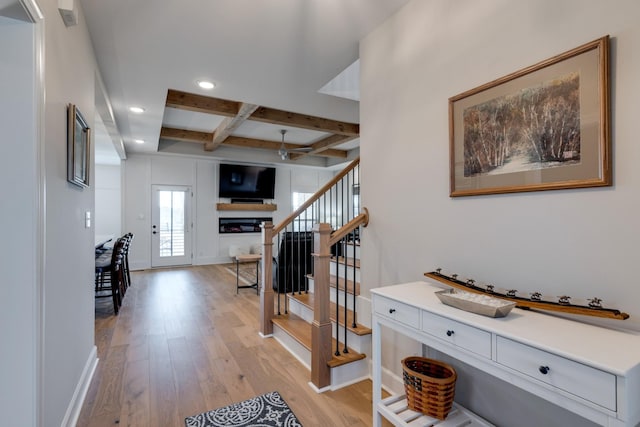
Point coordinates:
pixel 589 370
pixel 246 207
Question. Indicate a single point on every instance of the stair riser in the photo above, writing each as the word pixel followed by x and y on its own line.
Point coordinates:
pixel 300 310
pixel 342 376
pixel 338 270
pixel 333 289
pixel 340 298
pixel 293 346
pixel 351 249
pixel 361 344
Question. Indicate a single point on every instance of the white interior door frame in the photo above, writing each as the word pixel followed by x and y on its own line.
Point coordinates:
pixel 27 311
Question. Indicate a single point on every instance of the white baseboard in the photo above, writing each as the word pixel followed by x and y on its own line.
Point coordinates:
pixel 139 265
pixel 350 382
pixel 75 406
pixel 392 382
pixel 212 260
pixel 145 265
pixel 318 390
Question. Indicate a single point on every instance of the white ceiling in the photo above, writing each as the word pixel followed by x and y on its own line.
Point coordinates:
pixel 273 53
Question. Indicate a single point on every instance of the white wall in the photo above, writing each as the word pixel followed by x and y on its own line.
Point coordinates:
pixel 48 351
pixel 581 243
pixel 69 351
pixel 108 193
pixel 209 246
pixel 19 214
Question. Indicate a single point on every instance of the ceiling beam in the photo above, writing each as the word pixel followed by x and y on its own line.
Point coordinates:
pixel 205 104
pixel 339 154
pixel 286 118
pixel 236 141
pixel 185 135
pixel 201 104
pixel 323 145
pixel 228 125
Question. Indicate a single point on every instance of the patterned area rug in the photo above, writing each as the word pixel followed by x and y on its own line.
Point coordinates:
pixel 268 410
pixel 247 272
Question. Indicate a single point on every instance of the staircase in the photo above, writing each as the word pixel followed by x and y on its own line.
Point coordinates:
pixel 294 330
pixel 317 320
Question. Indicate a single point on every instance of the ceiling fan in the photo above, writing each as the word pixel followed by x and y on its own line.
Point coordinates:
pixel 283 152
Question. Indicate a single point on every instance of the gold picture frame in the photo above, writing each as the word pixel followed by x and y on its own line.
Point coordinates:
pixel 545 127
pixel 78 147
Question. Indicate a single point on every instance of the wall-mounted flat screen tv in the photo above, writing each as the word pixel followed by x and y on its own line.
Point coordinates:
pixel 246 182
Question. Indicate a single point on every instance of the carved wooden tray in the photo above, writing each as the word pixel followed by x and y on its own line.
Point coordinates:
pixel 476 303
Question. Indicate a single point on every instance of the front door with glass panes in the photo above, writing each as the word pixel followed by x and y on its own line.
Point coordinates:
pixel 170 225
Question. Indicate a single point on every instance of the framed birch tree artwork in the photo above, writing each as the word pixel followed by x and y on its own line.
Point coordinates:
pixel 545 127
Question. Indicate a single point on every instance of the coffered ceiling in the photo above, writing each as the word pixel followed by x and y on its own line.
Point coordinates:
pixel 235 117
pixel 270 62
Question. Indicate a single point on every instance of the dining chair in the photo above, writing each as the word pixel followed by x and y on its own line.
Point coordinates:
pixel 125 261
pixel 109 265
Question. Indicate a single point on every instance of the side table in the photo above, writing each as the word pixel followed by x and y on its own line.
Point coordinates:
pixel 243 258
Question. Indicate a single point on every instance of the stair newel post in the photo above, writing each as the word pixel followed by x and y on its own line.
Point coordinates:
pixel 266 292
pixel 353 261
pixel 346 294
pixel 321 326
pixel 337 352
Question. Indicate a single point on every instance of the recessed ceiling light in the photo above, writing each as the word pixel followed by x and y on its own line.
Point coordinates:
pixel 206 85
pixel 139 141
pixel 137 110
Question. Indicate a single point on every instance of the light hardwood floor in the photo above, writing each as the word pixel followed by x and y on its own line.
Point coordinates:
pixel 185 343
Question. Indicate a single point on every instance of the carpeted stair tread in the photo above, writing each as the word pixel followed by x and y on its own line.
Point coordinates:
pixel 307 299
pixel 300 330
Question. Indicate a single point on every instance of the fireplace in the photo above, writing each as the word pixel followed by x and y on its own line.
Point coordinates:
pixel 241 225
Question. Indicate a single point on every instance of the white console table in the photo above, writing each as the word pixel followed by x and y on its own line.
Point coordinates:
pixel 589 370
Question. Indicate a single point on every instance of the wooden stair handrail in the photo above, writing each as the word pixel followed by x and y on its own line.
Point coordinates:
pixel 362 219
pixel 315 197
pixel 324 238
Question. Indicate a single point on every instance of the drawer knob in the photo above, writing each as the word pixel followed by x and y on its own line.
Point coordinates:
pixel 450 332
pixel 392 310
pixel 544 370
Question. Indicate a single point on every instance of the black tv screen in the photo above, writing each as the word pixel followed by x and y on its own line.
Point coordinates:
pixel 247 182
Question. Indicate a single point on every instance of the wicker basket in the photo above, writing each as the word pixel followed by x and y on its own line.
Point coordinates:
pixel 429 385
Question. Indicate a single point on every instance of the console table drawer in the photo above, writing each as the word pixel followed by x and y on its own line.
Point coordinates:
pixel 395 310
pixel 576 378
pixel 459 334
